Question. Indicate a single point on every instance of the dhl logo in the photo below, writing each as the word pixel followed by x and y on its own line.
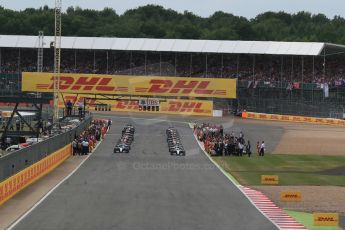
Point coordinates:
pixel 269 179
pixel 328 219
pixel 131 105
pixel 188 107
pixel 84 83
pixel 182 87
pixel 154 86
pixel 291 196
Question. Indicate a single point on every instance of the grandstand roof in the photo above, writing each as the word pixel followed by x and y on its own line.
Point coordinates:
pixel 176 45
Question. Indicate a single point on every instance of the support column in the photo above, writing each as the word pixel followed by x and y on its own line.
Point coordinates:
pixel 75 61
pixel 191 65
pixel 206 66
pixel 222 66
pixel 107 62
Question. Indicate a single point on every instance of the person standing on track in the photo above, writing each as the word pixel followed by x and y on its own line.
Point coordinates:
pixel 85 145
pixel 248 150
pixel 262 149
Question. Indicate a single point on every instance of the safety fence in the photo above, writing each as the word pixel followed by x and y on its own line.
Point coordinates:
pixel 22 179
pixel 21 159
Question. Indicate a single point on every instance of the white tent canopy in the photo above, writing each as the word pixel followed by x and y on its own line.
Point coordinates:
pixel 173 45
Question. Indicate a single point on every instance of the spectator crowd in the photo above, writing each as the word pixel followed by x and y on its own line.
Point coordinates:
pixel 218 143
pixel 87 140
pixel 267 70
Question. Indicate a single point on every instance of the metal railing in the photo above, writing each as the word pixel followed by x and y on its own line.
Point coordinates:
pixel 18 160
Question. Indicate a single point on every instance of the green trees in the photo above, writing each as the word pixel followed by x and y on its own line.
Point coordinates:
pixel 156 22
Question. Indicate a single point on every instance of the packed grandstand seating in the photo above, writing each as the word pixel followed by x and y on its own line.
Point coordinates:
pixel 267 69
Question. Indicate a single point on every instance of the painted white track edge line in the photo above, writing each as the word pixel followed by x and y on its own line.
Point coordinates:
pixel 230 179
pixel 11 226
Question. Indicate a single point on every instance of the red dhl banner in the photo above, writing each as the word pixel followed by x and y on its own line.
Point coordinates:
pixel 276 117
pixel 131 85
pixel 19 181
pixel 169 106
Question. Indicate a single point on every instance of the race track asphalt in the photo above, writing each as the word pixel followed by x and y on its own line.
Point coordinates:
pixel 146 189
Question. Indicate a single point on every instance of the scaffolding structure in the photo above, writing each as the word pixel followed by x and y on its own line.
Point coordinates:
pixel 57 56
pixel 40 51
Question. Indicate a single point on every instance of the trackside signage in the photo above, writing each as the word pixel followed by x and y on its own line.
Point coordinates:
pixel 269 179
pixel 288 118
pixel 326 219
pixel 22 179
pixel 169 106
pixel 131 85
pixel 291 196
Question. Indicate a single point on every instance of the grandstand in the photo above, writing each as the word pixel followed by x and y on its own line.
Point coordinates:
pixel 273 77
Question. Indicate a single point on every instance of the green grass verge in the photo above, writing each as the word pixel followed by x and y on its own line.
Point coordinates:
pixel 307 220
pixel 291 169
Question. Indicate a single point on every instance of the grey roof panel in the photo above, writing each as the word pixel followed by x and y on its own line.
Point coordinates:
pixel 120 44
pixel 211 46
pixel 171 45
pixel 136 44
pixel 181 45
pixel 103 43
pixel 196 46
pixel 166 45
pixel 151 44
pixel 9 41
pixel 83 43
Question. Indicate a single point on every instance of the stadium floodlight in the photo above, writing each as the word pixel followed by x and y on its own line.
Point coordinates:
pixel 57 49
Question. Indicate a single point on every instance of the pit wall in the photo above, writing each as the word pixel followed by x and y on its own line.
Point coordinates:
pixel 289 118
pixel 22 179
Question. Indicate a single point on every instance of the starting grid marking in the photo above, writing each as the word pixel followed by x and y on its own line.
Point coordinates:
pixel 271 210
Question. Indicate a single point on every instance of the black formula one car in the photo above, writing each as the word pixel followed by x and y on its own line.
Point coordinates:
pixel 174 142
pixel 127 138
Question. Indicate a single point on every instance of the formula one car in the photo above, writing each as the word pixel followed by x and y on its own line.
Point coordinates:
pixel 177 150
pixel 121 148
pixel 127 138
pixel 174 142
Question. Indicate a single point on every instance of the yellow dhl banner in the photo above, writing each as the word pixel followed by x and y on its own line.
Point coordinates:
pixel 289 196
pixel 326 219
pixel 276 117
pixel 19 181
pixel 169 106
pixel 269 179
pixel 131 85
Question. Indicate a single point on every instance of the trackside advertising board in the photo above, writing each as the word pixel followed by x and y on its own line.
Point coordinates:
pixel 22 179
pixel 169 106
pixel 269 179
pixel 131 85
pixel 290 196
pixel 326 219
pixel 288 118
